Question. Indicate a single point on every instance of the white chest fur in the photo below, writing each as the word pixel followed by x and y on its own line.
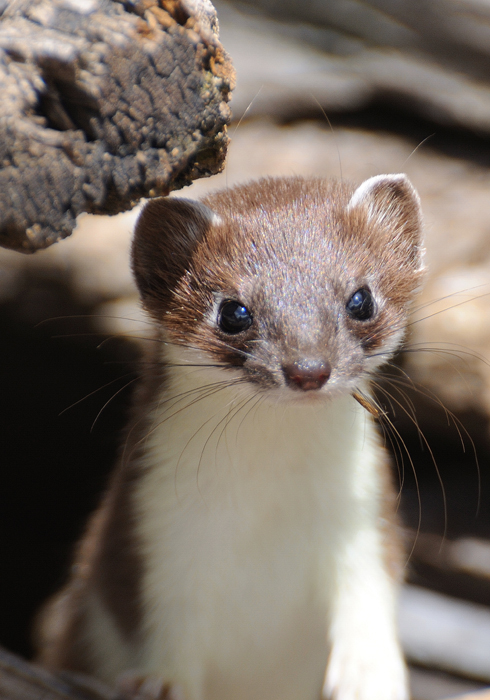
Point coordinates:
pixel 254 515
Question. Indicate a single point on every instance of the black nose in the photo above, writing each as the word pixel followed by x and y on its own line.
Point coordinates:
pixel 307 374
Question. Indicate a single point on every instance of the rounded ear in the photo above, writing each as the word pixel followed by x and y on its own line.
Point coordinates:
pixel 392 203
pixel 166 234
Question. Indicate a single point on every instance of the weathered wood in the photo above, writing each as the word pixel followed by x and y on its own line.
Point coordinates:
pixel 478 695
pixel 104 102
pixel 20 680
pixel 445 633
pixel 430 684
pixel 455 33
pixel 459 568
pixel 430 57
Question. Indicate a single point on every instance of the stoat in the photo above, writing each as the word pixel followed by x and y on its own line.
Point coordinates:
pixel 246 548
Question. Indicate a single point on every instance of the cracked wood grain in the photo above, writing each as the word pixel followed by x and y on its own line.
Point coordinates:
pixel 104 102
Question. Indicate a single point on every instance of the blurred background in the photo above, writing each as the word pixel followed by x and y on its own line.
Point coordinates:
pixel 337 88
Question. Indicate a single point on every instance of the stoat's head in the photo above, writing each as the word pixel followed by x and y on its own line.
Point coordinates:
pixel 298 284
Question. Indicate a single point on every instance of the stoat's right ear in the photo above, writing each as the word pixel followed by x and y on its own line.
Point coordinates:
pixel 166 234
pixel 393 209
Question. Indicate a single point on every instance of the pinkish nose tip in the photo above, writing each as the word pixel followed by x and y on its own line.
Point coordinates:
pixel 307 374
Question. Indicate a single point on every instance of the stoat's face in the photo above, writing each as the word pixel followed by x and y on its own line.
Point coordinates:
pixel 298 284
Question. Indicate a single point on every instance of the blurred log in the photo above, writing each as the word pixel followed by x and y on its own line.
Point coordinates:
pixel 454 33
pixel 431 57
pixel 104 102
pixel 429 684
pixel 459 568
pixel 20 680
pixel 478 695
pixel 441 632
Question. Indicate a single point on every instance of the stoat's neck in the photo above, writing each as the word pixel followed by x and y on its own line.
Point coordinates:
pixel 257 498
pixel 212 430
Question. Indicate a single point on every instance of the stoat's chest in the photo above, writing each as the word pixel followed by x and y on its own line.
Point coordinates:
pixel 243 513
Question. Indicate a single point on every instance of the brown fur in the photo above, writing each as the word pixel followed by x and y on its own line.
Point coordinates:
pixel 264 228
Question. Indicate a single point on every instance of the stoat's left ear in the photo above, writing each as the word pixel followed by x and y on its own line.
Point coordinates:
pixel 393 205
pixel 166 234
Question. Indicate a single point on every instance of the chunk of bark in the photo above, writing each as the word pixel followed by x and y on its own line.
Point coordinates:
pixel 104 102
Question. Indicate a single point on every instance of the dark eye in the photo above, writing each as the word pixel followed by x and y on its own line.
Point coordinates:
pixel 233 317
pixel 361 305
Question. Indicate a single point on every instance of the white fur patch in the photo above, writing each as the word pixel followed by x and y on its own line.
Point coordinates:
pixel 110 654
pixel 364 193
pixel 213 218
pixel 366 660
pixel 259 527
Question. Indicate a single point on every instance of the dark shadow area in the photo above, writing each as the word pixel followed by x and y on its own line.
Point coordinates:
pixel 440 463
pixel 402 120
pixel 440 460
pixel 53 466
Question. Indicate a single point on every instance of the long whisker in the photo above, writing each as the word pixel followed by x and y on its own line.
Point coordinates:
pixel 386 422
pixel 426 304
pixel 202 393
pixel 454 306
pixel 458 351
pixel 427 445
pixel 445 354
pixel 375 410
pixel 162 402
pixel 402 325
pixel 261 396
pixel 209 438
pixel 333 134
pixel 450 417
pixel 405 396
pixel 417 148
pixel 249 107
pixel 111 399
pixel 192 437
pixel 96 391
pixel 234 411
pixel 92 317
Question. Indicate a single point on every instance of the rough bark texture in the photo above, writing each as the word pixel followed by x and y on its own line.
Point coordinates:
pixel 104 102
